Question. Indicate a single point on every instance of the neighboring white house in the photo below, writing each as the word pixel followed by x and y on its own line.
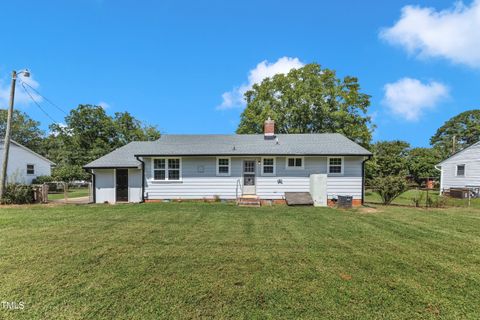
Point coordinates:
pixel 24 165
pixel 461 170
pixel 228 166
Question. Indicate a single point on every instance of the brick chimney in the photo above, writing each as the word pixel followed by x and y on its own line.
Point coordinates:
pixel 269 129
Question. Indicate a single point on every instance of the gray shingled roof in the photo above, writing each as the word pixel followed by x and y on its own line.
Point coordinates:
pixel 231 145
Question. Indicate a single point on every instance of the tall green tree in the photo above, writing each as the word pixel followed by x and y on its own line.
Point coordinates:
pixel 421 163
pixel 25 130
pixel 130 129
pixel 464 128
pixel 309 100
pixel 89 133
pixel 390 158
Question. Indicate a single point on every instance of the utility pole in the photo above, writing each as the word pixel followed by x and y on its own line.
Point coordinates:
pixel 6 147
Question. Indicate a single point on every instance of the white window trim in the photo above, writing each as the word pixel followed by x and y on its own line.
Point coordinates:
pixel 26 167
pixel 229 167
pixel 166 170
pixel 295 168
pixel 335 173
pixel 274 167
pixel 464 170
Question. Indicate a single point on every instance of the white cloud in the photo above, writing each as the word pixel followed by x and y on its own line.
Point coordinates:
pixel 409 98
pixel 21 97
pixel 104 105
pixel 453 34
pixel 235 98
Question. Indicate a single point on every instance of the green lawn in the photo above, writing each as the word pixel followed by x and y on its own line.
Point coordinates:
pixel 200 260
pixel 406 199
pixel 72 193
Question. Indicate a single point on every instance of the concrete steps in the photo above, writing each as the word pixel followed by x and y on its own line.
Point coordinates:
pixel 249 201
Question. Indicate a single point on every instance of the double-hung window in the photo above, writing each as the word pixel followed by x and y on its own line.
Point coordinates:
pixel 460 170
pixel 223 166
pixel 166 169
pixel 268 166
pixel 295 163
pixel 335 165
pixel 30 169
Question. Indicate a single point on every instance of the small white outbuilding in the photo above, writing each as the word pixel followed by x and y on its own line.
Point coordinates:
pixel 24 165
pixel 461 170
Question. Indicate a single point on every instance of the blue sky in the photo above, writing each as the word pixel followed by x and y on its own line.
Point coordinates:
pixel 170 62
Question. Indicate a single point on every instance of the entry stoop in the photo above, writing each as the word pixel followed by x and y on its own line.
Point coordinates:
pixel 249 201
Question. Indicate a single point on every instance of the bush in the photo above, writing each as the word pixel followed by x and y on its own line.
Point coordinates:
pixel 18 194
pixel 69 173
pixel 390 187
pixel 42 179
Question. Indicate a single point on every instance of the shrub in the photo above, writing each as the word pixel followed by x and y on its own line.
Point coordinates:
pixel 42 179
pixel 418 199
pixel 18 194
pixel 390 187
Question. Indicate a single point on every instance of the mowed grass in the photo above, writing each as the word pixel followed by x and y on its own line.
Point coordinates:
pixel 406 199
pixel 72 193
pixel 199 260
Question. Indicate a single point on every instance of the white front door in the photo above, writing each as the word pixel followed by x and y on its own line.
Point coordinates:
pixel 249 177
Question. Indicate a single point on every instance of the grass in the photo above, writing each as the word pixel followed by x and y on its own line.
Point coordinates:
pixel 405 199
pixel 199 260
pixel 72 193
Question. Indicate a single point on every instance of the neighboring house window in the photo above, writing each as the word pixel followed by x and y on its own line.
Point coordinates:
pixel 335 165
pixel 166 169
pixel 268 166
pixel 30 169
pixel 223 166
pixel 461 170
pixel 295 163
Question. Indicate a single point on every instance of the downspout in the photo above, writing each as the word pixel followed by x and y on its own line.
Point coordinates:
pixel 94 191
pixel 143 177
pixel 363 178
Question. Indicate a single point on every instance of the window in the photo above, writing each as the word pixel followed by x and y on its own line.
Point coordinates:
pixel 335 165
pixel 268 166
pixel 461 170
pixel 30 169
pixel 295 163
pixel 166 169
pixel 223 166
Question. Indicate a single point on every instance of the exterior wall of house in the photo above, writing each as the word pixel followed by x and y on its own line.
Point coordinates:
pixel 105 185
pixel 471 159
pixel 200 180
pixel 18 159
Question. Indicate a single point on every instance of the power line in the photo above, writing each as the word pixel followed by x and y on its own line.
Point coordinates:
pixel 45 98
pixel 38 105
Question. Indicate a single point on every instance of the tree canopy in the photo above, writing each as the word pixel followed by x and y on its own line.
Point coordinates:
pixel 465 127
pixel 25 130
pixel 421 163
pixel 389 159
pixel 89 133
pixel 309 100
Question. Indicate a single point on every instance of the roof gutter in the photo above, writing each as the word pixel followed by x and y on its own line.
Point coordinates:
pixel 143 177
pixel 253 155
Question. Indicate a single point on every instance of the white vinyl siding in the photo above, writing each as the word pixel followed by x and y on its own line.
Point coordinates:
pixel 20 162
pixel 205 183
pixel 470 158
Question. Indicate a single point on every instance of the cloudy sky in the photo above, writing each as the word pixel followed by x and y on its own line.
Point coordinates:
pixel 184 65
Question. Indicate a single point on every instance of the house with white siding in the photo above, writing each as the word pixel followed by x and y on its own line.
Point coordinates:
pixel 264 166
pixel 461 170
pixel 24 165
